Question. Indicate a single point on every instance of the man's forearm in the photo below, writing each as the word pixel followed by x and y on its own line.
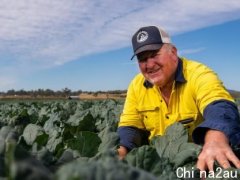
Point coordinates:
pixel 216 136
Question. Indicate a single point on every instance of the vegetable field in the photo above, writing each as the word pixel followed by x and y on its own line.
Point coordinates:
pixel 69 140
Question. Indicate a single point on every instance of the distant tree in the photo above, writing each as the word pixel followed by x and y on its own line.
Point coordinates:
pixel 11 92
pixel 49 92
pixel 66 91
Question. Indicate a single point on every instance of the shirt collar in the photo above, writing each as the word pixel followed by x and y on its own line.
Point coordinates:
pixel 179 77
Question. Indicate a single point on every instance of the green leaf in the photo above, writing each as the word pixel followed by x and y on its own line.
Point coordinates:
pixel 32 132
pixel 174 146
pixel 168 145
pixel 146 158
pixel 55 142
pixel 176 132
pixel 86 143
pixel 188 153
pixel 4 131
pixel 3 135
pixel 42 139
pixel 83 121
pixel 109 139
pixel 108 168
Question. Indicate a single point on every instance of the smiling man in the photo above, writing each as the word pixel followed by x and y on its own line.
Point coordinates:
pixel 174 89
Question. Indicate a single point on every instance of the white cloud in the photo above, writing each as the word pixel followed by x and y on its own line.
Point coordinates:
pixel 185 52
pixel 45 33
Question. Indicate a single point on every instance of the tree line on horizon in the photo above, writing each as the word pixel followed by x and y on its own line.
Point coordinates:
pixel 65 92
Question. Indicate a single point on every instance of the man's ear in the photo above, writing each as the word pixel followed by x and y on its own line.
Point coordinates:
pixel 174 50
pixel 174 53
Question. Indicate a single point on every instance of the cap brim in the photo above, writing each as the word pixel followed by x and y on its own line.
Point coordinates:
pixel 150 47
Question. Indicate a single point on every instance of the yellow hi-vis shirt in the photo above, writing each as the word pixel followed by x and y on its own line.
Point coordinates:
pixel 146 109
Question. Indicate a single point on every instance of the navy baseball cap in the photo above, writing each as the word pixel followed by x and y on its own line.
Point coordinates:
pixel 149 38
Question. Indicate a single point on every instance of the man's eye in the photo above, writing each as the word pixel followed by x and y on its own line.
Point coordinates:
pixel 142 60
pixel 154 55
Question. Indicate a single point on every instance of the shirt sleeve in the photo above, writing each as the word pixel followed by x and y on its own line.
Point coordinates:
pixel 130 116
pixel 220 115
pixel 131 137
pixel 131 129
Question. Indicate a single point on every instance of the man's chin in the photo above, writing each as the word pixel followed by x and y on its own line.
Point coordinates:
pixel 154 81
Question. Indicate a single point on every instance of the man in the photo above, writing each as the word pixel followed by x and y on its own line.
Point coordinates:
pixel 171 89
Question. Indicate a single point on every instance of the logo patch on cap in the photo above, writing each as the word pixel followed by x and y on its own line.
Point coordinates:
pixel 142 36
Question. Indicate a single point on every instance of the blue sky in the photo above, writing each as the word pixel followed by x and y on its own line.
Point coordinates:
pixel 86 45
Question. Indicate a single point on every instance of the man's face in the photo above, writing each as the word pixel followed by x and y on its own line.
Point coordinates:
pixel 159 66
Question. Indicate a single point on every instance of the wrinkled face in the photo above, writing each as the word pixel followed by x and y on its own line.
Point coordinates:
pixel 159 66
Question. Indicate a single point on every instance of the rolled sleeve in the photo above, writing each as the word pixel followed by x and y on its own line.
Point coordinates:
pixel 219 115
pixel 131 137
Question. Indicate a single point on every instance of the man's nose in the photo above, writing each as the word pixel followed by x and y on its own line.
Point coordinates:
pixel 149 62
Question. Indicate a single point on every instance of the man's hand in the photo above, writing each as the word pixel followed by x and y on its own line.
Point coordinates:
pixel 216 147
pixel 122 152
